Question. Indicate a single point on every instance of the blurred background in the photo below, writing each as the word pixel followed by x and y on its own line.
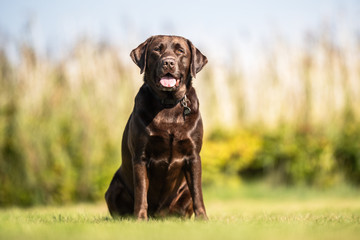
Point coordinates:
pixel 280 96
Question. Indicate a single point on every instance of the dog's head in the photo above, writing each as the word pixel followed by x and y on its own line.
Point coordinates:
pixel 169 63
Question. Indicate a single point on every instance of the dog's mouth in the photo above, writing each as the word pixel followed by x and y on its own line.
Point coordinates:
pixel 169 82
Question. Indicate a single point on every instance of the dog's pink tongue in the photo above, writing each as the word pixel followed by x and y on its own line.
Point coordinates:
pixel 168 81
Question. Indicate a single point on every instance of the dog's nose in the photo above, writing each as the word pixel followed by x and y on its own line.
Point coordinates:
pixel 168 63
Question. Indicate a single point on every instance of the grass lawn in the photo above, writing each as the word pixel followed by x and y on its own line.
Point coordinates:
pixel 245 213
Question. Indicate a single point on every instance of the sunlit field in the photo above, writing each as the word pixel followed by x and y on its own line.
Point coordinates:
pixel 249 213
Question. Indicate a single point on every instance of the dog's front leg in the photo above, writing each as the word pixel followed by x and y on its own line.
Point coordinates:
pixel 193 179
pixel 141 186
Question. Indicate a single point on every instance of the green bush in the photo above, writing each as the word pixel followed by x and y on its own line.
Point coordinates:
pixel 347 149
pixel 296 158
pixel 57 144
pixel 225 153
pixel 284 156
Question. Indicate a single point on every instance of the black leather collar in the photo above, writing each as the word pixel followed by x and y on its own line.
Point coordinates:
pixel 170 102
pixel 167 102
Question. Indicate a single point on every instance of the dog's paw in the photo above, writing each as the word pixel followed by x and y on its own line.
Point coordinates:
pixel 201 218
pixel 201 215
pixel 142 215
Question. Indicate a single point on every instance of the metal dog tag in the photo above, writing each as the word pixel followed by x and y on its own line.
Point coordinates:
pixel 187 111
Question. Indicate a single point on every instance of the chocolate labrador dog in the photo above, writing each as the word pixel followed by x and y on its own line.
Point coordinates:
pixel 160 174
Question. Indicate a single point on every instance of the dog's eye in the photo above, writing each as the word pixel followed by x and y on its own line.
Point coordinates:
pixel 158 48
pixel 180 51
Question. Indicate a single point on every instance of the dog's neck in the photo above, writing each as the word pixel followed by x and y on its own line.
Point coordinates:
pixel 170 100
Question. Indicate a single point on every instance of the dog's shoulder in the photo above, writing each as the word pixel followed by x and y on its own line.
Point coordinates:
pixel 144 96
pixel 193 99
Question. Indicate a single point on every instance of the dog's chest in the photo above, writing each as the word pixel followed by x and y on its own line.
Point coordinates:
pixel 168 146
pixel 169 142
pixel 166 156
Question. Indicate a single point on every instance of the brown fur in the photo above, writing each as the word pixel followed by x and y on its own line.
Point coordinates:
pixel 160 173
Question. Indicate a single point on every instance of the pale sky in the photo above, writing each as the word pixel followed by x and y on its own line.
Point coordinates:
pixel 215 26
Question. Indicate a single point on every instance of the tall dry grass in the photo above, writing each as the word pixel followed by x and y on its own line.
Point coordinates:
pixel 313 83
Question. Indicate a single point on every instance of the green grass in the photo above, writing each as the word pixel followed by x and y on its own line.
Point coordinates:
pixel 248 213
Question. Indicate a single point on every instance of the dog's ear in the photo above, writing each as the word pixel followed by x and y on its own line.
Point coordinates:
pixel 198 60
pixel 138 55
